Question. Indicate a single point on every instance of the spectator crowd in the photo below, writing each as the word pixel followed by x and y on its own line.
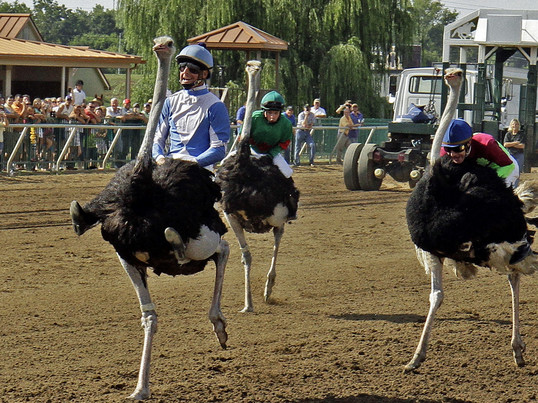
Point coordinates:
pixel 87 146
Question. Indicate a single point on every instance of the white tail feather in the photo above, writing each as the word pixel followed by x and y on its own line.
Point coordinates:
pixel 527 193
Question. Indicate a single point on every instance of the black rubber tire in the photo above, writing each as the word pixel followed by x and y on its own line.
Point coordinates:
pixel 367 166
pixel 351 172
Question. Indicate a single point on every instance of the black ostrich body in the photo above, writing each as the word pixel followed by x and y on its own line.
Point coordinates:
pixel 135 211
pixel 463 216
pixel 454 204
pixel 252 188
pixel 161 217
pixel 257 197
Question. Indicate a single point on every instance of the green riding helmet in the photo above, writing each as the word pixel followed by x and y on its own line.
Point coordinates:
pixel 273 101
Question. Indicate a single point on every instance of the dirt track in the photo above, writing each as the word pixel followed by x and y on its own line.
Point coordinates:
pixel 346 313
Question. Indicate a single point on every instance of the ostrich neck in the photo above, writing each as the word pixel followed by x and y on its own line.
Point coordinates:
pixel 159 95
pixel 446 118
pixel 251 102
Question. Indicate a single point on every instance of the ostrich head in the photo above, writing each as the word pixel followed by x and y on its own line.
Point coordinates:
pixel 453 78
pixel 253 70
pixel 164 48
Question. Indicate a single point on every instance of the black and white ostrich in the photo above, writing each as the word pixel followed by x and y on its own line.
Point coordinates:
pixel 257 197
pixel 160 217
pixel 463 215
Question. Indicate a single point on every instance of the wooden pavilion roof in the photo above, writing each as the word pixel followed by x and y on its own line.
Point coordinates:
pixel 13 25
pixel 240 36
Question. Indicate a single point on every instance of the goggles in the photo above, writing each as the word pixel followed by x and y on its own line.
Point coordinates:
pixel 454 149
pixel 193 68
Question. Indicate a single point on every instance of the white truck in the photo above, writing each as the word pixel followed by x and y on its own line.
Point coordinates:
pixel 494 92
pixel 422 86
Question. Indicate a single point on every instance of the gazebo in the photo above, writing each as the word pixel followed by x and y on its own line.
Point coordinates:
pixel 245 37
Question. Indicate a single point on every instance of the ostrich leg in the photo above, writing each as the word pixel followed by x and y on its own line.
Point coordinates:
pixel 517 342
pixel 149 323
pixel 215 314
pixel 435 267
pixel 271 275
pixel 246 259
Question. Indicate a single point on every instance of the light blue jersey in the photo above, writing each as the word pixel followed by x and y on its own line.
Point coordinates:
pixel 198 125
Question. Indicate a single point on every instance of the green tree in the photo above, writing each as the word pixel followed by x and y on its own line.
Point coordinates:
pixel 430 19
pixel 313 29
pixel 6 7
pixel 54 21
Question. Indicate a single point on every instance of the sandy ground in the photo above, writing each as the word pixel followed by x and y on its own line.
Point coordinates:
pixel 346 313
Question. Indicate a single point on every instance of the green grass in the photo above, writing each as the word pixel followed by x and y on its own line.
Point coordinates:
pixel 117 84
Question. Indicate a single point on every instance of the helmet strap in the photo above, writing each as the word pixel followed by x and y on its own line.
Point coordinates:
pixel 467 149
pixel 197 83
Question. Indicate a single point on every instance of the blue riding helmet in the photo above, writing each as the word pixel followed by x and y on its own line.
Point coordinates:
pixel 196 54
pixel 459 132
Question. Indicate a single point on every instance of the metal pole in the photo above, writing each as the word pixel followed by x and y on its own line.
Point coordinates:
pixel 64 150
pixel 15 150
pixel 114 141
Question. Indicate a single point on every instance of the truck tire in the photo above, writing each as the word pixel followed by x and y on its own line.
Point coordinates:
pixel 367 179
pixel 351 173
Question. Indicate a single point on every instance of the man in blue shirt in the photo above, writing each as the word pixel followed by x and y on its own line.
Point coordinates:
pixel 291 117
pixel 357 118
pixel 194 120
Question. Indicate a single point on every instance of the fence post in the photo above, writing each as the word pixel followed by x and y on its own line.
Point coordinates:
pixel 64 150
pixel 111 148
pixel 15 151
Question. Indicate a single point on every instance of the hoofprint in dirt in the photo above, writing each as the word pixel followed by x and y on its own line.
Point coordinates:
pixel 344 317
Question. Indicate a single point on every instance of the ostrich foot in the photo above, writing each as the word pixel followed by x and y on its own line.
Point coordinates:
pixel 79 218
pixel 269 287
pixel 519 348
pixel 173 238
pixel 219 327
pixel 140 395
pixel 414 363
pixel 247 309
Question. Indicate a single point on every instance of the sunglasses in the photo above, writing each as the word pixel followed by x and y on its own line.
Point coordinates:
pixel 193 68
pixel 454 149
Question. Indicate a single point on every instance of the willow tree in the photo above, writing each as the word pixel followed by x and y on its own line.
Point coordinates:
pixel 314 30
pixel 345 74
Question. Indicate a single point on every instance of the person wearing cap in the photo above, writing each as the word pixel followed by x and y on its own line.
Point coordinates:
pixel 358 119
pixel 194 120
pixel 459 143
pixel 291 117
pixel 78 94
pixel 270 132
pixel 317 110
pixel 146 110
pixel 65 108
pixel 341 107
pixel 303 135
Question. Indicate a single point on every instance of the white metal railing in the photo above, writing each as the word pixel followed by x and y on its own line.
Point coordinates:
pixel 118 130
pixel 72 132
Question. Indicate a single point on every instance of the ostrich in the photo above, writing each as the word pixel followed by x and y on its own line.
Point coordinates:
pixel 161 217
pixel 463 215
pixel 256 195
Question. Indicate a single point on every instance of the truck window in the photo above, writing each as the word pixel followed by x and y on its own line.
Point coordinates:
pixel 425 85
